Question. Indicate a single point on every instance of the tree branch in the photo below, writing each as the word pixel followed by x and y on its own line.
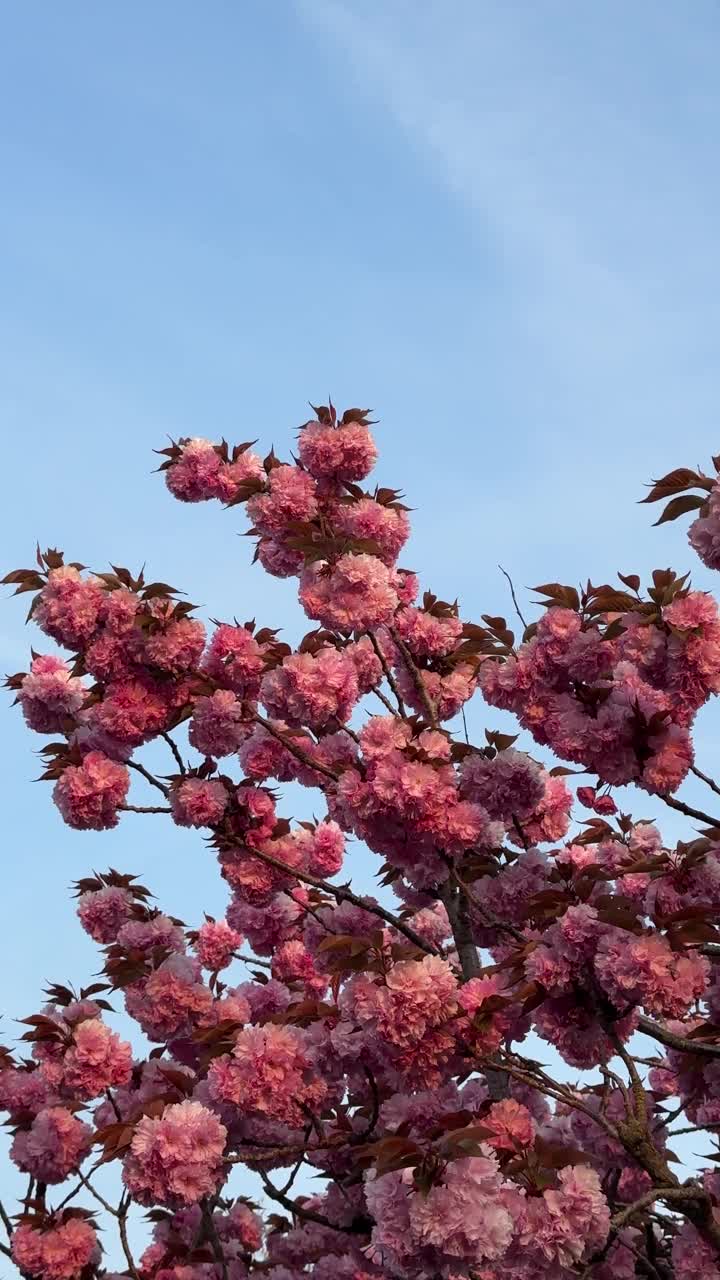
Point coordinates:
pixel 388 676
pixel 173 747
pixel 143 808
pixel 664 1036
pixel 416 677
pixel 505 574
pixel 299 754
pixel 341 894
pixel 149 777
pixel 689 811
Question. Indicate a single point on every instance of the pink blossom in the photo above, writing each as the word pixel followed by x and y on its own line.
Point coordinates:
pixel 290 499
pixel 68 607
pixel 133 709
pixel 271 1072
pixel 61 1252
pixel 102 912
pixel 216 943
pixel 89 795
pixel 176 1157
pixel 510 786
pixel 327 848
pixel 354 594
pixel 428 635
pixel 96 1060
pixel 366 519
pixel 511 1125
pixel 645 970
pixel 195 475
pixel 50 696
pixel 235 659
pixel 344 452
pixel 177 646
pixel 199 802
pixel 293 963
pixel 54 1146
pixel 311 690
pixel 168 1002
pixel 216 728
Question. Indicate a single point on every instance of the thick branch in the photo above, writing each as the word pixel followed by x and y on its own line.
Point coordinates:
pixel 173 747
pixel 149 777
pixel 144 808
pixel 689 811
pixel 388 676
pixel 298 752
pixel 341 894
pixel 415 676
pixel 664 1036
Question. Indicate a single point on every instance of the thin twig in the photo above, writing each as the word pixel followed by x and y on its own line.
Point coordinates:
pixel 4 1217
pixel 491 920
pixel 100 1199
pixel 415 676
pixel 704 777
pixel 298 1210
pixel 388 676
pixel 149 777
pixel 262 964
pixel 664 1036
pixel 689 811
pixel 144 808
pixel 341 894
pixel 505 574
pixel 296 751
pixel 122 1226
pixel 174 748
pixel 386 702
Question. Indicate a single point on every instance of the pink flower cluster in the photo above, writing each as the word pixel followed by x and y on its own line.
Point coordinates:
pixel 59 1250
pixel 199 472
pixel 313 690
pixel 89 794
pixel 54 1146
pixel 580 695
pixel 216 944
pixel 176 1158
pixel 50 695
pixel 271 1072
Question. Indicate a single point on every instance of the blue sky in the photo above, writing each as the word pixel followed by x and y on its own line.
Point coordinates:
pixel 493 222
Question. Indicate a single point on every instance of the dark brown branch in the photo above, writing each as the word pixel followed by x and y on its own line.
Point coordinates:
pixel 122 1226
pixel 664 1036
pixel 149 777
pixel 143 808
pixel 388 676
pixel 341 894
pixel 490 919
pixel 299 754
pixel 505 574
pixel 5 1219
pixel 298 1210
pixel 213 1237
pixel 415 676
pixel 704 777
pixel 689 811
pixel 174 748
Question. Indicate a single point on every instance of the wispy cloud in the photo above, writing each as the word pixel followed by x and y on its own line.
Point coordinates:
pixel 597 215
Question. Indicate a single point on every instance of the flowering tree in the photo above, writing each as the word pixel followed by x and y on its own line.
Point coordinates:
pixel 380 1043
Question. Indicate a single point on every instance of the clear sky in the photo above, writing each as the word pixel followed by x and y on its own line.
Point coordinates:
pixel 493 221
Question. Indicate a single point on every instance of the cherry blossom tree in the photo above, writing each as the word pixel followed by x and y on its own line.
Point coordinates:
pixel 381 1043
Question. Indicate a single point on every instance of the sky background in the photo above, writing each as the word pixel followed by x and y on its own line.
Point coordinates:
pixel 493 222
